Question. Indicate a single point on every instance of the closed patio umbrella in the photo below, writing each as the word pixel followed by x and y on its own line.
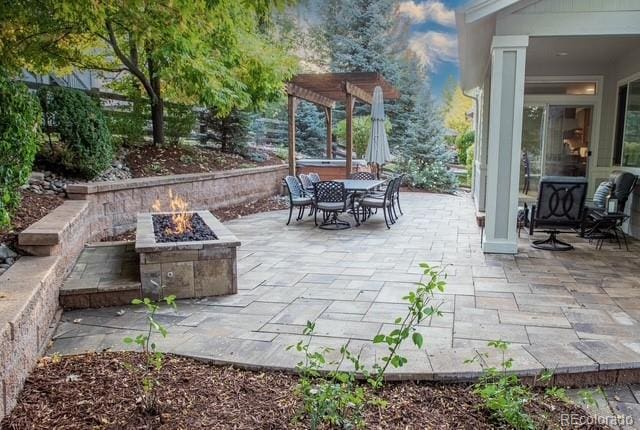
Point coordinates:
pixel 378 149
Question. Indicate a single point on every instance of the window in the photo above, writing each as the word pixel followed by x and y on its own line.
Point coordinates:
pixel 627 132
pixel 560 88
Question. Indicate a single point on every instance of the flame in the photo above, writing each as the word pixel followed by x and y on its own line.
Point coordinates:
pixel 180 217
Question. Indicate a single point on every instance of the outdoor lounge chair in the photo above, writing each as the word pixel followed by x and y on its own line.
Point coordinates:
pixel 598 223
pixel 297 197
pixel 332 199
pixel 560 208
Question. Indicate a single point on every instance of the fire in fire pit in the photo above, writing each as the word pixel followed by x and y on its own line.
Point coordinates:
pixel 180 225
pixel 192 228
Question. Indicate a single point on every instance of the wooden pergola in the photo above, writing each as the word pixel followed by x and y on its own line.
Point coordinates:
pixel 327 89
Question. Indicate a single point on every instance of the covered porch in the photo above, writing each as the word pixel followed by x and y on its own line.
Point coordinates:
pixel 556 95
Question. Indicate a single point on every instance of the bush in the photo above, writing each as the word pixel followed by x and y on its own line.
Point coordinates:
pixel 81 127
pixel 432 177
pixel 179 122
pixel 463 143
pixel 361 132
pixel 230 132
pixel 128 125
pixel 20 118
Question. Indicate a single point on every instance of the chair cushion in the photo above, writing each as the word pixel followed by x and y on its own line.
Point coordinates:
pixel 301 201
pixel 330 206
pixel 600 196
pixel 373 202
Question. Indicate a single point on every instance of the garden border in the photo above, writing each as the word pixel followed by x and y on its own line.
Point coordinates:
pixel 29 290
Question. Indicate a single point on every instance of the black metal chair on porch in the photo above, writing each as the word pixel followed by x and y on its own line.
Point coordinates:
pixel 297 197
pixel 332 199
pixel 560 208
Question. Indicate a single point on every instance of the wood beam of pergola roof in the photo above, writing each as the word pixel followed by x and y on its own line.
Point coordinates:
pixel 326 89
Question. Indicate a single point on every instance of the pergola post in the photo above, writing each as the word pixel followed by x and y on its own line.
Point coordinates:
pixel 349 137
pixel 292 107
pixel 329 122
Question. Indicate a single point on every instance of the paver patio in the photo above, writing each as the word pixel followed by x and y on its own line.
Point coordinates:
pixel 575 311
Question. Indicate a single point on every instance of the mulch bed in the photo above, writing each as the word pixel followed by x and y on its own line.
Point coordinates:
pixel 273 203
pixel 149 160
pixel 32 208
pixel 97 391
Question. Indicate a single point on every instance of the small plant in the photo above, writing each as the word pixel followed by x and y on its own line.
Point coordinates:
pixel 281 152
pixel 503 393
pixel 336 398
pixel 146 373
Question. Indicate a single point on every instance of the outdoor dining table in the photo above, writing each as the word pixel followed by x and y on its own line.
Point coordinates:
pixel 354 186
pixel 360 185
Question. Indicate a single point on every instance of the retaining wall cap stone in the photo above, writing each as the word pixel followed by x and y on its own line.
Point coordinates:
pixel 152 181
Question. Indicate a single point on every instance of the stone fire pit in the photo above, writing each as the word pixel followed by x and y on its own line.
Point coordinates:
pixel 187 268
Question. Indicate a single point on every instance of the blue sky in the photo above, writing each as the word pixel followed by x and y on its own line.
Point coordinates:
pixel 433 37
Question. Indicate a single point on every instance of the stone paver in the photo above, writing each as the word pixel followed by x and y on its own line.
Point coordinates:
pixel 576 311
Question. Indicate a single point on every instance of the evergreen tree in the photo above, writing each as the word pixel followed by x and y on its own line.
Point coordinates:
pixel 311 132
pixel 229 131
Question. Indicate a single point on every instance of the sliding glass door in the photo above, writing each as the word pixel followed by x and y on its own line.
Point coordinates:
pixel 555 142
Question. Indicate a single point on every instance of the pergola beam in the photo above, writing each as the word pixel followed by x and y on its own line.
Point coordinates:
pixel 310 96
pixel 357 92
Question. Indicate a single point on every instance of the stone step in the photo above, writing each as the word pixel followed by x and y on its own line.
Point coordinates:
pixel 106 274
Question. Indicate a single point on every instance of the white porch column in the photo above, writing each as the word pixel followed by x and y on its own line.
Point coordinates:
pixel 508 54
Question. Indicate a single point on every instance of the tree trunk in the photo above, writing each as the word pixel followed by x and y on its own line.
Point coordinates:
pixel 157 104
pixel 157 121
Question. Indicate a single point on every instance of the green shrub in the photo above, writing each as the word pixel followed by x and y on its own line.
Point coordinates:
pixel 434 176
pixel 20 118
pixel 282 152
pixel 179 122
pixel 128 125
pixel 81 127
pixel 361 132
pixel 463 143
pixel 230 131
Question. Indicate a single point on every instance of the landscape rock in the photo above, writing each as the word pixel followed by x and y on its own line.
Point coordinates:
pixel 6 252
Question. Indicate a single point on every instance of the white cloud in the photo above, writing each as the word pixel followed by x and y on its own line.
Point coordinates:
pixel 431 10
pixel 433 48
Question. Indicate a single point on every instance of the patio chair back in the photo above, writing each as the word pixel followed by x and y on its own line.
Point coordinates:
pixel 560 202
pixel 315 178
pixel 330 192
pixel 392 188
pixel 363 176
pixel 623 185
pixel 294 187
pixel 307 184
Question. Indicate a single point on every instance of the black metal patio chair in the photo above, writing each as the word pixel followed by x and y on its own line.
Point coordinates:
pixel 362 176
pixel 297 197
pixel 331 199
pixel 384 202
pixel 315 178
pixel 307 183
pixel 560 208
